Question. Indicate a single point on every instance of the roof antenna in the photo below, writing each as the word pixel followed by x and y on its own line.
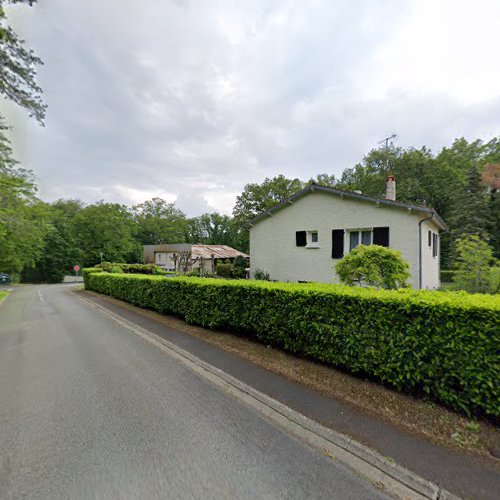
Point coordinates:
pixel 386 141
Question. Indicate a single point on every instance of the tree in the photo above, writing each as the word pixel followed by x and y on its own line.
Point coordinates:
pixel 470 212
pixel 374 265
pixel 18 63
pixel 105 231
pixel 491 179
pixel 257 198
pixel 475 266
pixel 159 222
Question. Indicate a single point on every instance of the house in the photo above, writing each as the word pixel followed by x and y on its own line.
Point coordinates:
pixel 186 257
pixel 304 236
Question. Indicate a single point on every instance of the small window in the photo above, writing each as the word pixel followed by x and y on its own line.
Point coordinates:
pixel 366 237
pixel 314 237
pixel 359 237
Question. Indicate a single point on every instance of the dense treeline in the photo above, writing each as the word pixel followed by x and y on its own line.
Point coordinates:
pixel 42 241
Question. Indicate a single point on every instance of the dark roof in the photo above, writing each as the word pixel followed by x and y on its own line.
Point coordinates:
pixel 348 194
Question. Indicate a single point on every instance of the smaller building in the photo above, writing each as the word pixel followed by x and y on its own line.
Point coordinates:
pixel 183 257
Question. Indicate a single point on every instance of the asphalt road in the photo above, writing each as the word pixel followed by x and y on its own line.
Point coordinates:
pixel 90 410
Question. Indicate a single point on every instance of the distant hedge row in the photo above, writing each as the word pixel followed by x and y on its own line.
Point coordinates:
pixel 444 345
pixel 110 267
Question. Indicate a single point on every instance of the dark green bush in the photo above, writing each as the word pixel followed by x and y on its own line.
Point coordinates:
pixel 261 275
pixel 239 267
pixel 224 270
pixel 443 345
pixel 131 268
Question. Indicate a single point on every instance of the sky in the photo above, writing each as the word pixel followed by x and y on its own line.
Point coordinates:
pixel 189 100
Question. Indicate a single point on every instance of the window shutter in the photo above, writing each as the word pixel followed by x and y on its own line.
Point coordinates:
pixel 337 243
pixel 301 238
pixel 381 236
pixel 429 238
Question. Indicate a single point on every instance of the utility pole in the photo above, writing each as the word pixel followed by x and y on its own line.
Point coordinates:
pixel 386 141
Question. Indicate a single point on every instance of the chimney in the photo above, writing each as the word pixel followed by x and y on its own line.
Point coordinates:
pixel 390 190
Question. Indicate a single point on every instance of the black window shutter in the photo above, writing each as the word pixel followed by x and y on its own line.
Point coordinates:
pixel 429 238
pixel 381 236
pixel 301 238
pixel 337 243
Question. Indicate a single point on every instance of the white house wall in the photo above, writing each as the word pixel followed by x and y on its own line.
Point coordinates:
pixel 430 263
pixel 273 246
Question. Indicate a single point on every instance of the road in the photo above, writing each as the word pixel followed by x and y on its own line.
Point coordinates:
pixel 90 410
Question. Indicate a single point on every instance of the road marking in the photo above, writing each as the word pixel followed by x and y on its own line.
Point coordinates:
pixel 40 296
pixel 391 478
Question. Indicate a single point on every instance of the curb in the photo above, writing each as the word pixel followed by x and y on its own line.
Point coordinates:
pixel 383 473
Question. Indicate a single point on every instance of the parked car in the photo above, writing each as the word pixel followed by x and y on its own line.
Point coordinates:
pixel 4 278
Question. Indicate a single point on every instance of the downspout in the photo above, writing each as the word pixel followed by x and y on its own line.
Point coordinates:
pixel 420 249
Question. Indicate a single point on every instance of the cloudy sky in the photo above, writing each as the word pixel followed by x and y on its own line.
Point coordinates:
pixel 190 100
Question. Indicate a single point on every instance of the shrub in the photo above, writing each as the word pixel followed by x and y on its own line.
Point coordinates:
pixel 116 269
pixel 131 268
pixel 443 345
pixel 261 275
pixel 193 272
pixel 374 265
pixel 224 270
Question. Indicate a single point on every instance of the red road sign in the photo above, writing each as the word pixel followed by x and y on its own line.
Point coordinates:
pixel 76 268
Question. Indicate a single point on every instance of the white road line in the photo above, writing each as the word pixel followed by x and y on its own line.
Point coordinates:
pixel 40 296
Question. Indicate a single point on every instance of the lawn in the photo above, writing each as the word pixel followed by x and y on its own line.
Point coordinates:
pixel 3 295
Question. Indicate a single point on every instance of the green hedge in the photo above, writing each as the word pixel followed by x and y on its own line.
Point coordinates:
pixel 444 345
pixel 132 268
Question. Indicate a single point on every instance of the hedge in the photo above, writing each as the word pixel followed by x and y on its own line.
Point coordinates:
pixel 132 268
pixel 442 345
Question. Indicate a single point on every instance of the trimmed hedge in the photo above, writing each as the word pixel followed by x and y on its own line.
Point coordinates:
pixel 109 267
pixel 444 345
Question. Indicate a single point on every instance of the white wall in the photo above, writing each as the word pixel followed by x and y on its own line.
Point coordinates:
pixel 273 246
pixel 430 264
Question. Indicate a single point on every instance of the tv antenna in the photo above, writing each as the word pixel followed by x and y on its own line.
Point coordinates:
pixel 386 142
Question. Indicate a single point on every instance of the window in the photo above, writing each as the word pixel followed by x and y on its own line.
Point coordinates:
pixel 435 242
pixel 356 237
pixel 312 239
pixel 429 238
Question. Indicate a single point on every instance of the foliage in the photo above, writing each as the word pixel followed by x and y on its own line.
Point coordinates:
pixel 131 268
pixel 474 271
pixel 105 231
pixel 224 270
pixel 470 213
pixel 443 345
pixel 193 272
pixel 23 220
pixel 159 222
pixel 262 275
pixel 17 78
pixel 257 198
pixel 446 276
pixel 239 267
pixel 3 294
pixel 374 265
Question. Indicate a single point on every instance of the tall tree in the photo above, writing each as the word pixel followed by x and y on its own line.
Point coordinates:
pixel 470 212
pixel 491 179
pixel 105 231
pixel 159 222
pixel 19 63
pixel 257 198
pixel 213 229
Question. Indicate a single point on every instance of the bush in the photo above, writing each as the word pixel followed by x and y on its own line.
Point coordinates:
pixel 131 268
pixel 443 345
pixel 374 265
pixel 224 270
pixel 261 275
pixel 193 272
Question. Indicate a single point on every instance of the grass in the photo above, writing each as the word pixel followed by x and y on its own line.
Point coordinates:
pixel 421 418
pixel 3 295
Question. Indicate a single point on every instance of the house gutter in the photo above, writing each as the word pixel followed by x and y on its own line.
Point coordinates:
pixel 420 249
